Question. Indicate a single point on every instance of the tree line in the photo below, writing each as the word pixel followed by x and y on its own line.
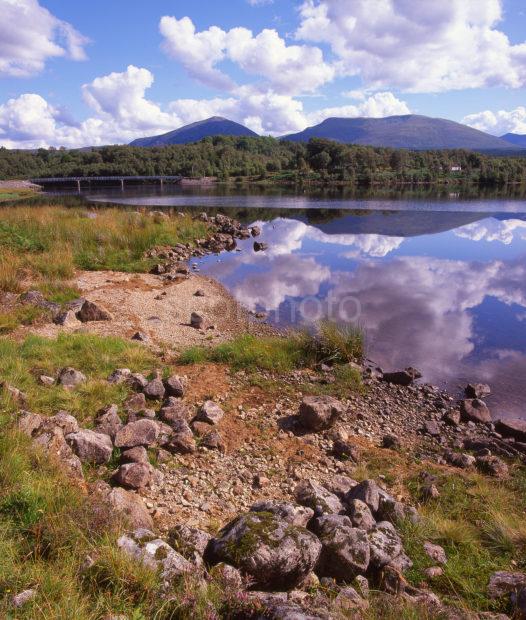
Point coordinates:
pixel 268 159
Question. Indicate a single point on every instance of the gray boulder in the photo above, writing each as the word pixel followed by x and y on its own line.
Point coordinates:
pixel 92 312
pixel 435 552
pixel 317 497
pixel 402 377
pixel 140 433
pixel 209 412
pixel 368 492
pixel 474 410
pixel 125 504
pixel 154 389
pixel 502 583
pixel 345 549
pixel 70 378
pixel 174 386
pixel 52 441
pixel 108 421
pixel 135 455
pixel 319 412
pixel 120 375
pixel 273 553
pixel 477 390
pixel 190 542
pixel 63 420
pixel 133 475
pixel 142 546
pixel 385 544
pixel 360 515
pixel 295 515
pixel 512 427
pixel 91 447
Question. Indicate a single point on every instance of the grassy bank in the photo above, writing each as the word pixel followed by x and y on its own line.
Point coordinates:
pixel 42 246
pixel 47 525
pixel 330 344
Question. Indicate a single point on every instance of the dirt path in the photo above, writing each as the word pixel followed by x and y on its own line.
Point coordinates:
pixel 159 309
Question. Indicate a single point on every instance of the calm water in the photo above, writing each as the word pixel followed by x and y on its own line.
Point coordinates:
pixel 436 283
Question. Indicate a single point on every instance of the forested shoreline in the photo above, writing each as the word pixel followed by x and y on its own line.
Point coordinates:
pixel 269 160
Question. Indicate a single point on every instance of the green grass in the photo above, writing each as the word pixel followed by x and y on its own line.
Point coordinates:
pixel 49 243
pixel 280 354
pixel 21 363
pixel 480 523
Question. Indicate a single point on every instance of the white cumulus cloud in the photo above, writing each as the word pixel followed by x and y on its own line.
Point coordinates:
pixel 30 35
pixel 417 46
pixel 500 122
pixel 286 69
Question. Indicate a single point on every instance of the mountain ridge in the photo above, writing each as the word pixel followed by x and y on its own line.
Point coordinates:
pixel 411 131
pixel 516 139
pixel 213 126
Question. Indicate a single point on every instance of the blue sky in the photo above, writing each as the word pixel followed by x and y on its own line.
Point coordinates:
pixel 78 73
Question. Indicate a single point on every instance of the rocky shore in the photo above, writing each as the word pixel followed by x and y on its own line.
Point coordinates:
pixel 269 483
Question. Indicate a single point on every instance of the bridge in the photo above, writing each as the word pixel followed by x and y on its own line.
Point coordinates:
pixel 120 179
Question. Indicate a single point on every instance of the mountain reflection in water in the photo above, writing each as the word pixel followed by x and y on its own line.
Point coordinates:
pixel 445 292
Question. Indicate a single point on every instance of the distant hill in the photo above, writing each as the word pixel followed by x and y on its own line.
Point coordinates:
pixel 214 126
pixel 410 131
pixel 515 138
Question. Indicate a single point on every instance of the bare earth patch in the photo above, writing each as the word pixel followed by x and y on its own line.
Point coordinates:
pixel 159 309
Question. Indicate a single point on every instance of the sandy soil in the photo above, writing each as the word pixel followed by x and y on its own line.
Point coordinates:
pixel 5 185
pixel 161 310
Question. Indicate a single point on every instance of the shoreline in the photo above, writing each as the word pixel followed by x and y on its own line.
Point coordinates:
pixel 185 449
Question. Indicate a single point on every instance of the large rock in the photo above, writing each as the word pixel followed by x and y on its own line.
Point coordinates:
pixel 295 515
pixel 140 433
pixel 345 549
pixel 474 410
pixel 143 546
pixel 63 420
pixel 209 412
pixel 173 412
pixel 66 318
pixel 317 497
pixel 138 454
pixel 402 377
pixel 108 421
pixel 91 447
pixel 512 427
pixel 319 412
pixel 477 390
pixel 458 459
pixel 190 542
pixel 181 443
pixel 502 583
pixel 360 515
pixel 92 312
pixel 154 389
pixel 385 544
pixel 133 475
pixel 174 386
pixel 368 492
pixel 70 377
pixel 126 505
pixel 273 553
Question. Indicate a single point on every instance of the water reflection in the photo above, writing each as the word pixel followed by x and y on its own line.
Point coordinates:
pixel 450 301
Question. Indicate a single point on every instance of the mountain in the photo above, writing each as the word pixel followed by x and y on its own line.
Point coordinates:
pixel 515 138
pixel 214 126
pixel 410 131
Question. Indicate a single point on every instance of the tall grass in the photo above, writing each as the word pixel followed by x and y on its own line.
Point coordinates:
pixel 301 349
pixel 49 242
